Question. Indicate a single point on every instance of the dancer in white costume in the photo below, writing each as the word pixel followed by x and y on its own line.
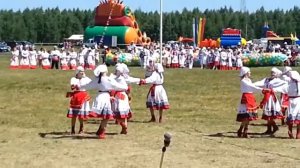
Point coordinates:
pixel 293 91
pixel 45 59
pixel 101 107
pixel 73 59
pixel 157 98
pixel 14 61
pixel 24 63
pixel 270 103
pixel 79 104
pixel 32 58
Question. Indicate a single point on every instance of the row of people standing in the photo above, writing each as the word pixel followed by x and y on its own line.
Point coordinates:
pixel 287 84
pixel 112 101
pixel 29 58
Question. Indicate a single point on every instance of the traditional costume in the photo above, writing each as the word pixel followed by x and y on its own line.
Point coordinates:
pixel 24 63
pixel 14 61
pixel 73 62
pixel 270 103
pixel 157 98
pixel 45 60
pixel 101 107
pixel 33 59
pixel 293 91
pixel 247 110
pixel 79 104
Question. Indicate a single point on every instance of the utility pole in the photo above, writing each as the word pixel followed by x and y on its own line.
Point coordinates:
pixel 244 10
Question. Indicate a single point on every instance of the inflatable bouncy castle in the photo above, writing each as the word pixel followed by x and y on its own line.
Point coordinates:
pixel 231 37
pixel 113 18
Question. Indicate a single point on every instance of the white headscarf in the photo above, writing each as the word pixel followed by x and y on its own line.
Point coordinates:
pixel 100 69
pixel 79 69
pixel 159 67
pixel 244 71
pixel 294 75
pixel 276 71
pixel 286 69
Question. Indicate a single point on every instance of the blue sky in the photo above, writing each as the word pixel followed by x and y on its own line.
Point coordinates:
pixel 151 5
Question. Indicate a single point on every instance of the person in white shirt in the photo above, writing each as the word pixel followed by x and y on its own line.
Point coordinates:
pixel 224 59
pixel 157 98
pixel 293 91
pixel 32 58
pixel 101 107
pixel 24 63
pixel 91 59
pixel 55 57
pixel 182 58
pixel 270 103
pixel 247 110
pixel 63 60
pixel 14 61
pixel 239 62
pixel 45 59
pixel 230 55
pixel 73 59
pixel 284 97
pixel 79 104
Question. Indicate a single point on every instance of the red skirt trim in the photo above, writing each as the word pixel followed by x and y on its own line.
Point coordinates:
pixel 32 66
pixel 96 115
pixel 24 67
pixel 269 118
pixel 13 67
pixel 249 100
pixel 46 66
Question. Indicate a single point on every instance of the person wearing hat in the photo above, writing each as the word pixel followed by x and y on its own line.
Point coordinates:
pixel 293 112
pixel 284 98
pixel 45 59
pixel 270 103
pixel 120 99
pixel 63 60
pixel 24 62
pixel 91 63
pixel 157 98
pixel 175 58
pixel 247 110
pixel 73 58
pixel 32 58
pixel 79 104
pixel 101 107
pixel 149 67
pixel 14 61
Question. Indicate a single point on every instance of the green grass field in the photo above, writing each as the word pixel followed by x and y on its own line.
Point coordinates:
pixel 34 128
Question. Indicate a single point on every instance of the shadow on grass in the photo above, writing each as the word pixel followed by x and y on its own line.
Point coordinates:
pixel 251 135
pixel 136 121
pixel 67 135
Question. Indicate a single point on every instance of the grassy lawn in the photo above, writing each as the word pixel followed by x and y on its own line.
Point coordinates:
pixel 34 128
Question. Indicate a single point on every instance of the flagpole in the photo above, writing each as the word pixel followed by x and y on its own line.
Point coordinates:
pixel 161 29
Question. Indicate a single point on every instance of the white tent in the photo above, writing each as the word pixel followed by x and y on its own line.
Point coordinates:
pixel 76 37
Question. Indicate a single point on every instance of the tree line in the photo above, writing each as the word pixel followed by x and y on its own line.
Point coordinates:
pixel 53 25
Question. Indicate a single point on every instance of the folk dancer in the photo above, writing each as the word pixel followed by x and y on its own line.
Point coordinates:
pixel 14 61
pixel 79 104
pixel 101 107
pixel 270 103
pixel 248 108
pixel 157 98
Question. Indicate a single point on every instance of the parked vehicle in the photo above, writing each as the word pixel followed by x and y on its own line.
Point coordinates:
pixel 4 48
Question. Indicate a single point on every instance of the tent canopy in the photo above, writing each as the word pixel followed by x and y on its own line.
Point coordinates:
pixel 75 37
